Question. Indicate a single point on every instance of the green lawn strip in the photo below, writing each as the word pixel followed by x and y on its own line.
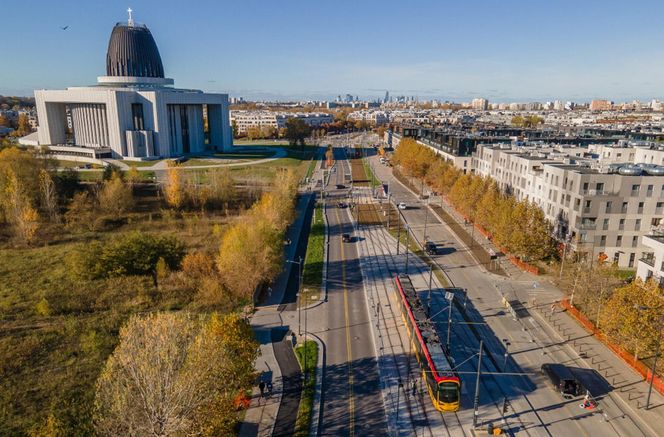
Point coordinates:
pixel 310 349
pixel 373 180
pixel 141 163
pixel 312 275
pixel 310 169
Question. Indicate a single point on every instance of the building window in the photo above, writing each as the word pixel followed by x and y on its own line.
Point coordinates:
pixel 635 241
pixel 631 259
pixel 621 224
pixel 137 116
pixel 640 210
pixel 659 207
pixel 637 225
pixel 600 187
pixel 602 240
pixel 608 207
pixel 649 192
pixel 616 257
pixel 619 240
pixel 624 207
pixel 605 226
pixel 635 189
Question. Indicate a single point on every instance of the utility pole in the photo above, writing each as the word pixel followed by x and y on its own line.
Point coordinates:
pixel 449 321
pixel 429 299
pixel 407 241
pixel 426 217
pixel 477 386
pixel 398 231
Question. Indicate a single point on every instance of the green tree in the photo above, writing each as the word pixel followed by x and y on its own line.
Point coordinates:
pixel 297 131
pixel 135 253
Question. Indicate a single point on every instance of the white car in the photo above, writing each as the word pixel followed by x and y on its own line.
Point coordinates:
pixel 402 205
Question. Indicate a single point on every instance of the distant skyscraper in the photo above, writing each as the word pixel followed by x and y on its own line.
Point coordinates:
pixel 387 97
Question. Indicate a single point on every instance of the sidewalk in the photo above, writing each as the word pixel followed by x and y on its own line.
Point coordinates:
pixel 629 389
pixel 261 416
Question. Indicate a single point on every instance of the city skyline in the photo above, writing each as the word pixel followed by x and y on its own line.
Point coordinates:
pixel 515 51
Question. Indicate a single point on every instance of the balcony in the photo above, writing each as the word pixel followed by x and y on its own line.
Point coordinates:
pixel 648 258
pixel 589 226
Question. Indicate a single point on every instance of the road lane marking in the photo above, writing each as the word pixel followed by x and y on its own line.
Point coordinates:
pixel 351 399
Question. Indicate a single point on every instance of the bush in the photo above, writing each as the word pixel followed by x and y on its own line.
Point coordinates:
pixel 134 254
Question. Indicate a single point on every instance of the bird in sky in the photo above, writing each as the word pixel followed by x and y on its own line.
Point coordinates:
pixel 64 28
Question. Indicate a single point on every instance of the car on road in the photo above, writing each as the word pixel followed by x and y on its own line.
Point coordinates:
pixel 431 248
pixel 340 186
pixel 342 205
pixel 562 379
pixel 346 238
pixel 402 205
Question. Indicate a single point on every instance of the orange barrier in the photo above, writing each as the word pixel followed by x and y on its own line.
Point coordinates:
pixel 626 357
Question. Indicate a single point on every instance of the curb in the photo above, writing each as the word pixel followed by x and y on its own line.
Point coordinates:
pixel 314 425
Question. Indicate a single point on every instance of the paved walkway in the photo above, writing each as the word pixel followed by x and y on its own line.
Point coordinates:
pixel 277 364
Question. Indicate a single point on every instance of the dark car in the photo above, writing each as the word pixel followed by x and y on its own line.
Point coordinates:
pixel 431 248
pixel 341 205
pixel 562 379
pixel 341 186
pixel 346 238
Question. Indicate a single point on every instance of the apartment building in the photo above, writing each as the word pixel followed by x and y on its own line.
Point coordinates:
pixel 245 119
pixel 651 264
pixel 480 104
pixel 598 208
pixel 376 118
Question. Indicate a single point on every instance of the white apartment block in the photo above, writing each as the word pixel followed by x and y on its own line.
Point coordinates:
pixel 597 211
pixel 651 264
pixel 376 118
pixel 480 104
pixel 244 119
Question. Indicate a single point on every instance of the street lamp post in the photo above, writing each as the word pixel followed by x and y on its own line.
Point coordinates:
pixel 398 231
pixel 477 386
pixel 507 345
pixel 299 296
pixel 426 217
pixel 407 251
pixel 397 415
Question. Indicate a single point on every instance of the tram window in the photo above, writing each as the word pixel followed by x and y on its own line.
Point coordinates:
pixel 448 392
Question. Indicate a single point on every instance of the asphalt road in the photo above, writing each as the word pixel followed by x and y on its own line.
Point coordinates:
pixel 351 400
pixel 535 408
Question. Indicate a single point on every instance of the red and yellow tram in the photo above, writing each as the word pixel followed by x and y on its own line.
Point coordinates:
pixel 443 383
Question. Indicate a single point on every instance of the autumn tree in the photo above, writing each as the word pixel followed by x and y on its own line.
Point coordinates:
pixel 175 374
pixel 250 253
pixel 82 211
pixel 116 197
pixel 174 190
pixel 633 315
pixel 49 196
pixel 18 210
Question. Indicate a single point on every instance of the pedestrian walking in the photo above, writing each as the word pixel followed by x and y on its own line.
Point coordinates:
pixel 269 389
pixel 261 387
pixel 413 388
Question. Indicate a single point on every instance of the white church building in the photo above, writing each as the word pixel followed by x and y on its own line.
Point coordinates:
pixel 133 112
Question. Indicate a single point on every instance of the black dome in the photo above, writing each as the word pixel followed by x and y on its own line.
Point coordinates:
pixel 133 52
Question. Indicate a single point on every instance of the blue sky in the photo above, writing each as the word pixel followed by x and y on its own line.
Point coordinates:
pixel 504 50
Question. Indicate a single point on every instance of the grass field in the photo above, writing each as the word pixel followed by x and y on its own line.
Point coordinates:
pixel 312 274
pixel 246 142
pixel 310 349
pixel 57 329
